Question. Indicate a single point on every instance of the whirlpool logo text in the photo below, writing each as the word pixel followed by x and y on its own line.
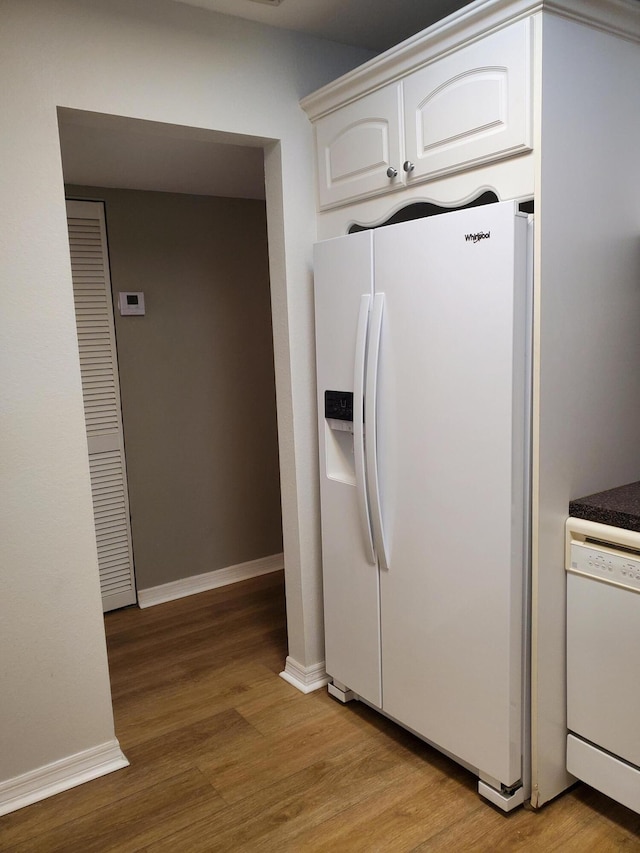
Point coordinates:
pixel 479 235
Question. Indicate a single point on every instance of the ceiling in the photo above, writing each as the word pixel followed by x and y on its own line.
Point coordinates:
pixel 111 151
pixel 372 24
pixel 114 151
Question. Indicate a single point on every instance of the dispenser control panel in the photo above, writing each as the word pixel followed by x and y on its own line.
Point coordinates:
pixel 338 405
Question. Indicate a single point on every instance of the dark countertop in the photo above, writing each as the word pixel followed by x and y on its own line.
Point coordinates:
pixel 617 507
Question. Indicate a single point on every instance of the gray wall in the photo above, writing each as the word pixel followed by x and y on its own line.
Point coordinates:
pixel 197 380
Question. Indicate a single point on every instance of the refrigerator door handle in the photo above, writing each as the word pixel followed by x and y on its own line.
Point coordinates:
pixel 358 425
pixel 370 416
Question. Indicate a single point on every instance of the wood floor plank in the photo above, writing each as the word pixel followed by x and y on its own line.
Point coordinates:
pixel 152 764
pixel 273 816
pixel 226 756
pixel 555 827
pixel 132 822
pixel 240 775
pixel 273 712
pixel 402 816
pixel 174 704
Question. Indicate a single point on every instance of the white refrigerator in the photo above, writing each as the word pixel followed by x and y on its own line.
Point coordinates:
pixel 423 365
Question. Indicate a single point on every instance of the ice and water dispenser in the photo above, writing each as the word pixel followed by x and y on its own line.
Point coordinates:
pixel 338 413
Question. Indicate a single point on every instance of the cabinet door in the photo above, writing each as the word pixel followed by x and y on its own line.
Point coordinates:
pixel 356 145
pixel 470 107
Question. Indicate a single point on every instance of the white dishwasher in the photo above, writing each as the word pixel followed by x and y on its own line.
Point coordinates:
pixel 603 658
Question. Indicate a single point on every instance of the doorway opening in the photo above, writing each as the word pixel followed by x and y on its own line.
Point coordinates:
pixel 186 226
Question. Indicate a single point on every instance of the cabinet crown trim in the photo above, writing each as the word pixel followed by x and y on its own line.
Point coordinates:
pixel 478 19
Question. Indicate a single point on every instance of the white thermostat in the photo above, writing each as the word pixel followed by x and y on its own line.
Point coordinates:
pixel 131 303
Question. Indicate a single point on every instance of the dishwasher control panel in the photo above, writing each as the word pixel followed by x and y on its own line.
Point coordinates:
pixel 612 566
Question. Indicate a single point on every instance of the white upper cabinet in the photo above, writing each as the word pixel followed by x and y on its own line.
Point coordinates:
pixel 357 145
pixel 470 107
pixel 467 107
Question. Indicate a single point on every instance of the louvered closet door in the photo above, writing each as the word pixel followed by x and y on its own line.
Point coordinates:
pixel 101 394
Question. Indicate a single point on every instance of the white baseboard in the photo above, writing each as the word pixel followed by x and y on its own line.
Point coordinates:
pixel 209 580
pixel 305 678
pixel 60 775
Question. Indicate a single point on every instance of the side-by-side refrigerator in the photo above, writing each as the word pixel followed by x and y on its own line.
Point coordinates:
pixel 423 364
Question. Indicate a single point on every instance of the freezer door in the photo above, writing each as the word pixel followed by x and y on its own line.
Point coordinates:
pixel 452 459
pixel 343 295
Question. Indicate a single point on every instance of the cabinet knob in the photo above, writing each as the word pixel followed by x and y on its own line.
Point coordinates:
pixel 408 166
pixel 391 172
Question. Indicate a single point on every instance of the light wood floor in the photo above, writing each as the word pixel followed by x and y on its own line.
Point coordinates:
pixel 226 756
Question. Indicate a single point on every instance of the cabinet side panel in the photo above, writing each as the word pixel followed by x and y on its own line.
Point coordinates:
pixel 587 400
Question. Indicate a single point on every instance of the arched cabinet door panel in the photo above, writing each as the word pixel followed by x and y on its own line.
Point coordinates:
pixel 357 145
pixel 471 107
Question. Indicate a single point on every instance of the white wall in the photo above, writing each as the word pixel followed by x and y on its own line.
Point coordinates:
pixel 169 63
